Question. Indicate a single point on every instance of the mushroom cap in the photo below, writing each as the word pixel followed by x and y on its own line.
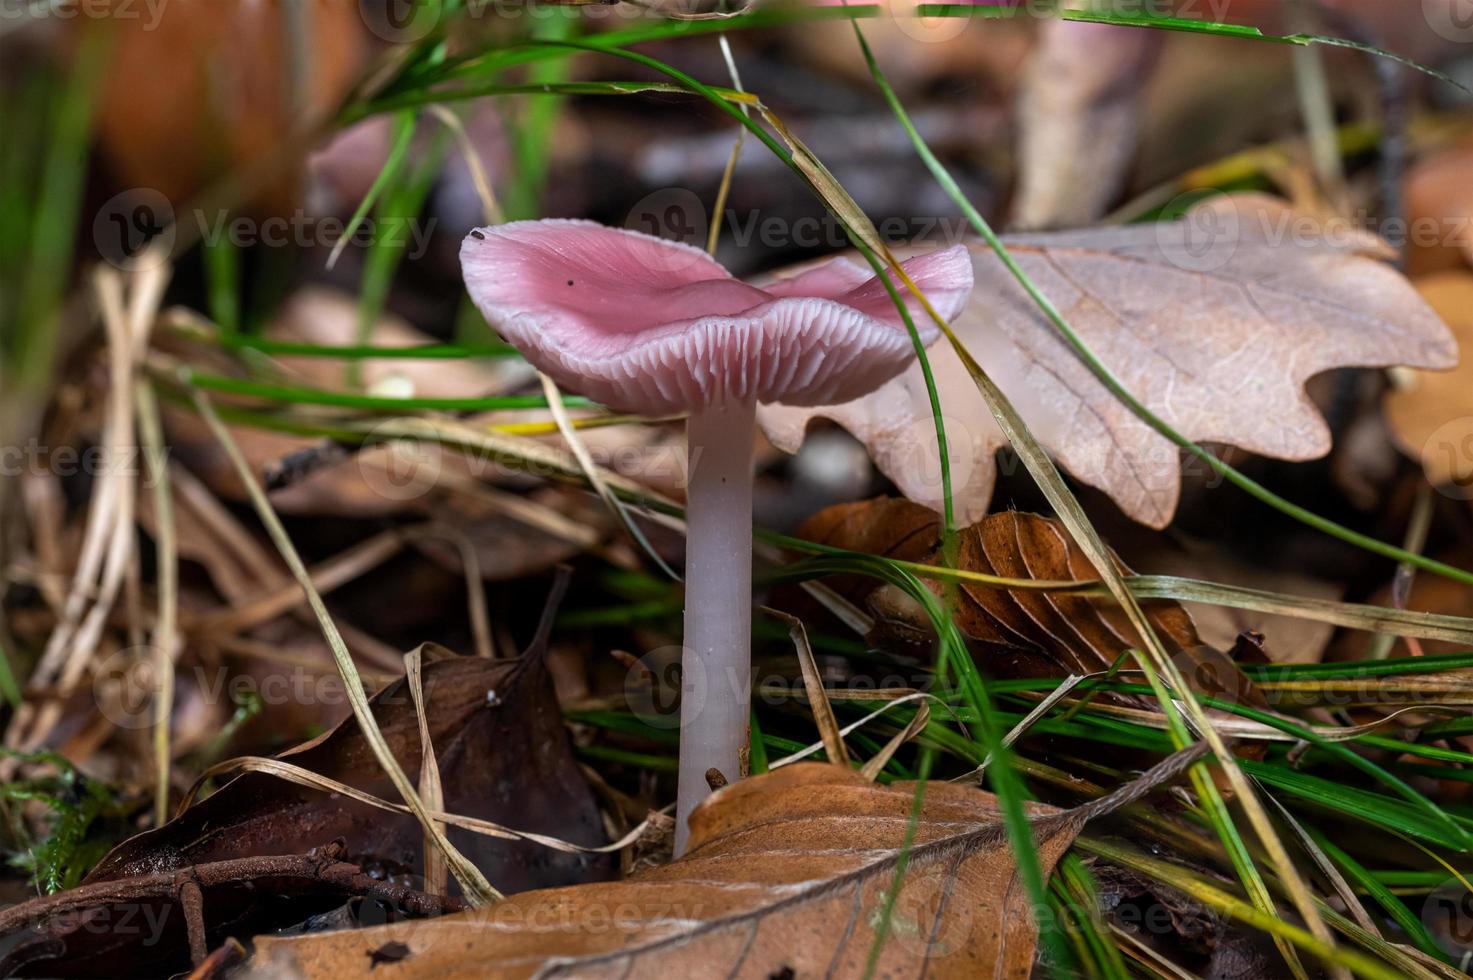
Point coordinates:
pixel 654 327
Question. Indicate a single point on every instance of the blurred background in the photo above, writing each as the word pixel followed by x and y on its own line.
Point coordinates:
pixel 306 170
pixel 302 172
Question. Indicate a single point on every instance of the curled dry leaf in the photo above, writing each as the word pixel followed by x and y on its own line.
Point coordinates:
pixel 1015 633
pixel 785 877
pixel 1214 322
pixel 1431 415
pixel 504 757
pixel 329 318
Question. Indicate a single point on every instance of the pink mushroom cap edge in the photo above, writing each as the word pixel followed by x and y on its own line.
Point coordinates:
pixel 653 327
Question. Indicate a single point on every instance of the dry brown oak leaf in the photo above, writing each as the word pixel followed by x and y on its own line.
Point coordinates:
pixel 785 877
pixel 1431 415
pixel 1214 322
pixel 1014 632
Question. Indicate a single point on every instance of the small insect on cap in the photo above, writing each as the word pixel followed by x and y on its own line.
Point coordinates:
pixel 655 327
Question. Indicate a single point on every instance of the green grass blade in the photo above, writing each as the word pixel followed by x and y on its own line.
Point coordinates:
pixel 531 135
pixel 1362 804
pixel 296 395
pixel 53 221
pixel 1046 475
pixel 1411 924
pixel 222 284
pixel 402 136
pixel 396 216
pixel 369 352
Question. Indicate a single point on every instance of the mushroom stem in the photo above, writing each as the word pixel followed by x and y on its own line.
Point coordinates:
pixel 716 665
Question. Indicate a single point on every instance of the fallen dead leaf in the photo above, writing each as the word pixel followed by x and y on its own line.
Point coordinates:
pixel 195 89
pixel 329 318
pixel 785 877
pixel 1431 415
pixel 507 547
pixel 504 757
pixel 1015 633
pixel 1214 322
pixel 918 52
pixel 1021 632
pixel 1439 205
pixel 1427 593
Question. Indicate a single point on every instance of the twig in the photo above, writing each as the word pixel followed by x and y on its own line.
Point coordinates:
pixel 322 865
pixel 193 902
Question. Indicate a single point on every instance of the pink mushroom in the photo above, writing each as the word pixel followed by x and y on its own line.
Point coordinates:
pixel 654 327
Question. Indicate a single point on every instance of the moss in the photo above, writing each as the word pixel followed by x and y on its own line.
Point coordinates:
pixel 87 818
